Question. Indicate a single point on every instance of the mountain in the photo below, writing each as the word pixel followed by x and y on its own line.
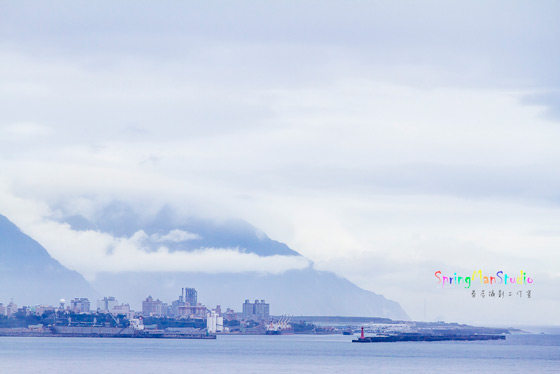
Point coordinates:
pixel 296 292
pixel 30 276
pixel 120 220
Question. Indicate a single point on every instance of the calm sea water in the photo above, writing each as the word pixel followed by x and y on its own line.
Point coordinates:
pixel 277 354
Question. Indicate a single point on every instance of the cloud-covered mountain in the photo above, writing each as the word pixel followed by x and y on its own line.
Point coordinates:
pixel 29 275
pixel 180 233
pixel 296 291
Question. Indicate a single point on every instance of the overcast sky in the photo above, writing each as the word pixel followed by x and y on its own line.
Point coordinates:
pixel 382 140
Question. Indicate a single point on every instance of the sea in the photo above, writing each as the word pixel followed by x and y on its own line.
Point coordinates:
pixel 519 353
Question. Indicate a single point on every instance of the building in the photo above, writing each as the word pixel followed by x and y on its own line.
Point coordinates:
pixel 248 310
pixel 2 310
pixel 214 323
pixel 40 309
pixel 177 306
pixel 257 311
pixel 107 304
pixel 230 315
pixel 187 305
pixel 198 311
pixel 123 309
pixel 120 309
pixel 191 296
pixel 262 310
pixel 11 308
pixel 156 308
pixel 80 305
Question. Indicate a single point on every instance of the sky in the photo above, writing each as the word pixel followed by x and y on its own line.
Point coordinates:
pixel 382 140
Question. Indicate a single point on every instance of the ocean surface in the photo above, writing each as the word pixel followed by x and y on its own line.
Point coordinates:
pixel 519 353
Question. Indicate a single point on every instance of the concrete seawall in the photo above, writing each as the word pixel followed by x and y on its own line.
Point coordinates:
pixel 101 332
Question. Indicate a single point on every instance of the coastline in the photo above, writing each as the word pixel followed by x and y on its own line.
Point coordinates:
pixel 101 332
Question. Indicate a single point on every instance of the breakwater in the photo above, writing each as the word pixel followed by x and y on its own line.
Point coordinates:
pixel 103 332
pixel 419 337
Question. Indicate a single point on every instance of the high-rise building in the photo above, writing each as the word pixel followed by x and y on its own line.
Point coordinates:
pixel 248 313
pixel 151 307
pixel 191 296
pixel 107 304
pixel 262 310
pixel 257 311
pixel 80 305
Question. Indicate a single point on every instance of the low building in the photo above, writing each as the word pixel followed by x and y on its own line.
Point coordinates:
pixel 40 309
pixel 123 309
pixel 230 315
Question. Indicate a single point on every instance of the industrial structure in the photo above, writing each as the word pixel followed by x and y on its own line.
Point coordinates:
pixel 214 323
pixel 282 326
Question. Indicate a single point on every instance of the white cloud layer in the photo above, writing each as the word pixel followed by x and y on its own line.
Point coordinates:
pixel 90 252
pixel 402 136
pixel 174 236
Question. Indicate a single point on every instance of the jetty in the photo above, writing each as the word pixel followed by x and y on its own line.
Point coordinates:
pixel 425 337
pixel 103 332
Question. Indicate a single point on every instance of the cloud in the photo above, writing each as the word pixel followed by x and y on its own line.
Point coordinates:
pixel 90 252
pixel 23 131
pixel 175 236
pixel 548 100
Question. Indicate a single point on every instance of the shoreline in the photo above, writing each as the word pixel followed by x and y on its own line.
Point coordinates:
pixel 101 332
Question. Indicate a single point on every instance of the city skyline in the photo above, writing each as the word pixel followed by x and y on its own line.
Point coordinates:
pixel 257 311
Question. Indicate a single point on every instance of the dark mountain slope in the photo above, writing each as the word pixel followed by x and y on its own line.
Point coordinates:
pixel 29 275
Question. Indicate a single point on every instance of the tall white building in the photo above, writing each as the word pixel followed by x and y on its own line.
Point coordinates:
pixel 214 323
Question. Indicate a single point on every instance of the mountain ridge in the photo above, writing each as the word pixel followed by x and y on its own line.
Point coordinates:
pixel 296 292
pixel 30 275
pixel 121 220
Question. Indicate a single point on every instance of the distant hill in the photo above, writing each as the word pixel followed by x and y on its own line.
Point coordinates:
pixel 307 291
pixel 295 292
pixel 119 219
pixel 30 276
